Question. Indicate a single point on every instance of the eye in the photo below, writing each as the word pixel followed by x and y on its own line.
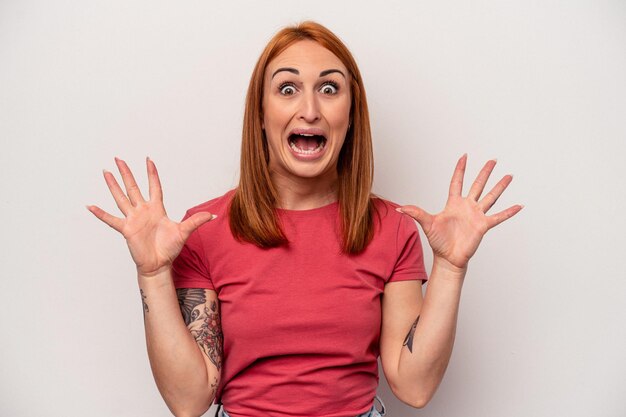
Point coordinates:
pixel 330 88
pixel 287 89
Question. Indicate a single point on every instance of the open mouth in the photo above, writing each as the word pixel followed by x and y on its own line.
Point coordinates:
pixel 306 143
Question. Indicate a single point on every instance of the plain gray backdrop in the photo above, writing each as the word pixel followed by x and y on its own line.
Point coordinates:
pixel 540 85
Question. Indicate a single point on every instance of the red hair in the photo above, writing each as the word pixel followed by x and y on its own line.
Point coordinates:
pixel 252 214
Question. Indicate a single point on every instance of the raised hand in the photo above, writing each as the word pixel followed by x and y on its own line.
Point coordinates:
pixel 153 239
pixel 455 233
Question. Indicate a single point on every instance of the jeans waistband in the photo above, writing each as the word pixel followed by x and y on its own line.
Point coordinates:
pixel 372 412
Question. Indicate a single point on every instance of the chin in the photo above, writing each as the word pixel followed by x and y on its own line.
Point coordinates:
pixel 313 170
pixel 309 173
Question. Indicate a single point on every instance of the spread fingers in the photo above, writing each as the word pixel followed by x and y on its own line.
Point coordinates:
pixel 154 182
pixel 498 218
pixel 114 222
pixel 456 184
pixel 134 195
pixel 492 196
pixel 481 180
pixel 118 195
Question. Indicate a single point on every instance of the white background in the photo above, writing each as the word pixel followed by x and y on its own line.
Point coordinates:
pixel 540 85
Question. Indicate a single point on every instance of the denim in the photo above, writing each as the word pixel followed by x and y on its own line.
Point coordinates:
pixel 373 412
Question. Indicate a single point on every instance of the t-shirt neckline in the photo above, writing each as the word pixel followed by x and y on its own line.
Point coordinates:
pixel 320 209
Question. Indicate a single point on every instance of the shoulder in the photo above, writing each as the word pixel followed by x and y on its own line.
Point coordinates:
pixel 218 205
pixel 385 212
pixel 384 204
pixel 218 228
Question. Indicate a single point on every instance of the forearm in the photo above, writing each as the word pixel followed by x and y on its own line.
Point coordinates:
pixel 428 346
pixel 177 362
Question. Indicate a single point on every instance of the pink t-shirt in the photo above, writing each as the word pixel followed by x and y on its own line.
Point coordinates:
pixel 301 323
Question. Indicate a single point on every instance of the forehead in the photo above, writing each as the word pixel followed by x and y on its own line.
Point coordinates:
pixel 304 55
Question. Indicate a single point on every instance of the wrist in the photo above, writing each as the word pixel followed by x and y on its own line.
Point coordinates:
pixel 449 269
pixel 161 277
pixel 154 272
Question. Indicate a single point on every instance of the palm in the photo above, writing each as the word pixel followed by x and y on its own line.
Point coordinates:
pixel 153 239
pixel 455 233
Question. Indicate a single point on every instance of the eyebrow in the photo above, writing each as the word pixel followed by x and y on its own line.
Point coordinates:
pixel 330 71
pixel 295 71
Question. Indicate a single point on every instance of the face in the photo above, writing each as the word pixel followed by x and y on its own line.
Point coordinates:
pixel 306 111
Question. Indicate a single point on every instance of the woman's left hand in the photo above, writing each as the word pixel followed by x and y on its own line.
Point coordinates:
pixel 455 233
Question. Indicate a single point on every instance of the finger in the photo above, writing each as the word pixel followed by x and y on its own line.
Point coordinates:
pixel 456 185
pixel 115 222
pixel 498 218
pixel 134 194
pixel 195 221
pixel 421 216
pixel 154 183
pixel 481 180
pixel 492 196
pixel 118 195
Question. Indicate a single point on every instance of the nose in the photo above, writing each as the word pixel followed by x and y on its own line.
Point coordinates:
pixel 309 110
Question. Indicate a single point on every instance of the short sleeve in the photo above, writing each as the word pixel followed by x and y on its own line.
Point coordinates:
pixel 410 256
pixel 190 269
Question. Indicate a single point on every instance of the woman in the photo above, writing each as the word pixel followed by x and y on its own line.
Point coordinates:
pixel 291 285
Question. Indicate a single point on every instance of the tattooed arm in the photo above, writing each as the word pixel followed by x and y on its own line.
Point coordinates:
pixel 184 340
pixel 418 333
pixel 200 311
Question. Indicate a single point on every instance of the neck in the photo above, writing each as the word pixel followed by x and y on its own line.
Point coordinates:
pixel 297 193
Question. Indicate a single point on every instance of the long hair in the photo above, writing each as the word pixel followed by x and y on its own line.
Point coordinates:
pixel 253 216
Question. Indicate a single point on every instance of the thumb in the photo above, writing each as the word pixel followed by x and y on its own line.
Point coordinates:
pixel 424 218
pixel 195 221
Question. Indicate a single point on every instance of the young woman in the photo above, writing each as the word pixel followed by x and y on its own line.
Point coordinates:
pixel 292 284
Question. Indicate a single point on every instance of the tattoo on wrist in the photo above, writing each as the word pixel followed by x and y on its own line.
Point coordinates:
pixel 143 301
pixel 408 340
pixel 203 321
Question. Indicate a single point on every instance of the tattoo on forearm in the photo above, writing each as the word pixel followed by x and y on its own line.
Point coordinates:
pixel 145 305
pixel 408 340
pixel 214 385
pixel 203 321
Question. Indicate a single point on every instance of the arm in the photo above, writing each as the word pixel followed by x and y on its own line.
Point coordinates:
pixel 185 377
pixel 185 350
pixel 415 366
pixel 418 334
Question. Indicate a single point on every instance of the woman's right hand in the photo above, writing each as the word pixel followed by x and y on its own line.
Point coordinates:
pixel 153 239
